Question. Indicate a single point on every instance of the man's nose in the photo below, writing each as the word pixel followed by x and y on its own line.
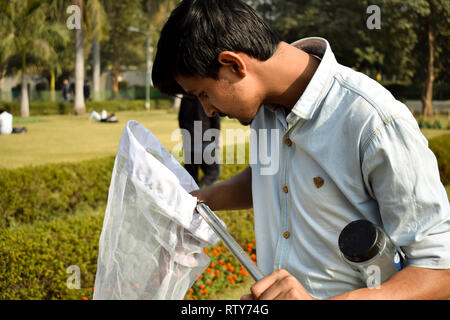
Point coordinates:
pixel 209 110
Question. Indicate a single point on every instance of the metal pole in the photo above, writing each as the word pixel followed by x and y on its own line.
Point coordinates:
pixel 147 73
pixel 229 241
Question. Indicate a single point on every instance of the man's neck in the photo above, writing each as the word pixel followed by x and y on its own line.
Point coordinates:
pixel 287 74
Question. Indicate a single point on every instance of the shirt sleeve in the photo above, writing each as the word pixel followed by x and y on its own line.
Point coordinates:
pixel 401 173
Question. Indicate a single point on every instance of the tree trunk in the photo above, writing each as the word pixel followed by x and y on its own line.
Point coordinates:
pixel 115 81
pixel 96 68
pixel 427 92
pixel 79 107
pixel 24 103
pixel 52 85
pixel 2 81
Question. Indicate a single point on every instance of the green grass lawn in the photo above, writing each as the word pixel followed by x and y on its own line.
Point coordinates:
pixel 433 133
pixel 61 138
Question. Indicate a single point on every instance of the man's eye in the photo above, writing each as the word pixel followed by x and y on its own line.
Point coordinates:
pixel 202 95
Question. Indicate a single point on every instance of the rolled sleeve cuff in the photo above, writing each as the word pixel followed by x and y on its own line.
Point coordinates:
pixel 433 251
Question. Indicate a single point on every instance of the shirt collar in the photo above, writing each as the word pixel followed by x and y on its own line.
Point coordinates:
pixel 320 82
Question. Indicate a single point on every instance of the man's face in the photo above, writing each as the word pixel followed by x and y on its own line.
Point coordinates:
pixel 228 96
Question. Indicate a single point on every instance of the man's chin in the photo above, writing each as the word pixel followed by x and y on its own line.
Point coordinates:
pixel 243 122
pixel 246 123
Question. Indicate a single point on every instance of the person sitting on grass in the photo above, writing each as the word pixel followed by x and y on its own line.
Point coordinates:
pixel 103 117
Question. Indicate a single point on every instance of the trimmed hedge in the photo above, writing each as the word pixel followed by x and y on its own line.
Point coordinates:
pixel 47 191
pixel 40 243
pixel 34 260
pixel 34 257
pixel 127 105
pixel 441 148
pixel 55 107
pixel 425 124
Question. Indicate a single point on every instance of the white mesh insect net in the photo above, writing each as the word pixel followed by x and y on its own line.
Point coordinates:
pixel 151 245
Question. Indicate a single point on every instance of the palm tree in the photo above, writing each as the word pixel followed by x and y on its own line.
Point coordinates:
pixel 97 25
pixel 6 44
pixel 157 11
pixel 56 64
pixel 97 14
pixel 96 67
pixel 79 106
pixel 25 22
pixel 94 24
pixel 63 59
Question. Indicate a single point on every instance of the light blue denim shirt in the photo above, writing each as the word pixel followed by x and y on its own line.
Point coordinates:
pixel 348 150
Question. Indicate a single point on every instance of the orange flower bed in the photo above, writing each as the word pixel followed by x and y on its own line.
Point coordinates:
pixel 223 272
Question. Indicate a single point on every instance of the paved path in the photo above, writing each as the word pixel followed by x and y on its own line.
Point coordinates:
pixel 442 105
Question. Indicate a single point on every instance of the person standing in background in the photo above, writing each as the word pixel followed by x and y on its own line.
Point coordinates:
pixel 66 91
pixel 87 90
pixel 192 117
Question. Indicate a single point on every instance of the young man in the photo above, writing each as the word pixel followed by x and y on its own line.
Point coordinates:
pixel 347 151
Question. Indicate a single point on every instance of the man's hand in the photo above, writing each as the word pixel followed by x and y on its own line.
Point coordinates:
pixel 407 284
pixel 279 285
pixel 198 193
pixel 232 194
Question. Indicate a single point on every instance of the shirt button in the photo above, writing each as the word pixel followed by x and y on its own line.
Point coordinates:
pixel 288 142
pixel 286 234
pixel 285 189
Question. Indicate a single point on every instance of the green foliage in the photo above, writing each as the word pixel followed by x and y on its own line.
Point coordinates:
pixel 33 34
pixel 54 107
pixel 427 124
pixel 38 108
pixel 127 105
pixel 34 257
pixel 48 191
pixel 239 222
pixel 424 124
pixel 122 46
pixel 399 49
pixel 437 124
pixel 441 148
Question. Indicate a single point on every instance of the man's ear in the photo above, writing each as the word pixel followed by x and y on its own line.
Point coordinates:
pixel 234 62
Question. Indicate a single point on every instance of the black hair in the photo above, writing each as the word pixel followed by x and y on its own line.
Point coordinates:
pixel 197 31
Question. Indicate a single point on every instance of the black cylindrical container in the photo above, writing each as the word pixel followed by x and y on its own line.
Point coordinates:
pixel 368 250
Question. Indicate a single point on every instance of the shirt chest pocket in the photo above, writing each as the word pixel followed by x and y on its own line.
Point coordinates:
pixel 313 190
